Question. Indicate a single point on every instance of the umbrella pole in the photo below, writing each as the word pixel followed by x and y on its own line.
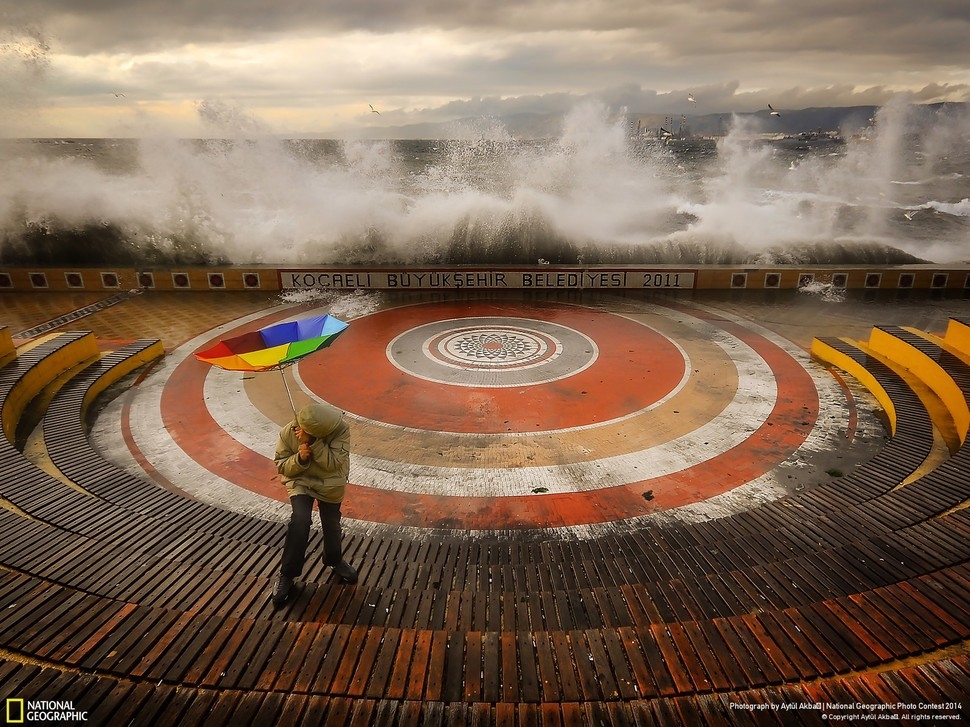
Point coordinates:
pixel 287 387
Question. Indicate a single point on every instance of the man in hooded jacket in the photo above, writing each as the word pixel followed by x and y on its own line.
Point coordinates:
pixel 313 459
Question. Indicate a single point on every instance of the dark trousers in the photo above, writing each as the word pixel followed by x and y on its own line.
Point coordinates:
pixel 298 534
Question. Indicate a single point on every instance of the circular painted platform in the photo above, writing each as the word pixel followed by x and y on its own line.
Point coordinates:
pixel 497 415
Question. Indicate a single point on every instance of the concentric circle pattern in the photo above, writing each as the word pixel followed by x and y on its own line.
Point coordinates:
pixel 491 352
pixel 390 368
pixel 481 414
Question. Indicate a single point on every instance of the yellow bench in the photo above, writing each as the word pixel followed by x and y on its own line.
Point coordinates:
pixel 39 367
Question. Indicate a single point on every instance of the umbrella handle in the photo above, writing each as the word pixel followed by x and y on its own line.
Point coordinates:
pixel 287 387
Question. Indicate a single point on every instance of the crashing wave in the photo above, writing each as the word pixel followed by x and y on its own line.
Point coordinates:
pixel 107 244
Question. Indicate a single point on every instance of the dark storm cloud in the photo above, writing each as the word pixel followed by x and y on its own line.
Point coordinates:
pixel 930 31
pixel 447 59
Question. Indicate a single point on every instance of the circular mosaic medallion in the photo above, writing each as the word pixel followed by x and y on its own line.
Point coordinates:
pixel 492 352
pixel 486 348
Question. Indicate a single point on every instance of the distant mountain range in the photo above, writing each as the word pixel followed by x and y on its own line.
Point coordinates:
pixel 845 120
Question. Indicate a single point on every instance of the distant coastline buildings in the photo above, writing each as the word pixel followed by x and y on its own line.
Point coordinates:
pixel 674 130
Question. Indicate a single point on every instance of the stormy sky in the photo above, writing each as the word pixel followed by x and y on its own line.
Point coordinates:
pixel 128 67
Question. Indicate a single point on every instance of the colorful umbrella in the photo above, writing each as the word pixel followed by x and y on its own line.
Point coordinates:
pixel 274 347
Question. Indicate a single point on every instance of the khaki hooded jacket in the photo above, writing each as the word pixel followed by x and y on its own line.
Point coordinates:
pixel 324 477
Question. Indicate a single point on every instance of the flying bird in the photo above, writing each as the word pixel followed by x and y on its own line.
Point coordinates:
pixel 773 112
pixel 119 95
pixel 690 97
pixel 911 214
pixel 374 111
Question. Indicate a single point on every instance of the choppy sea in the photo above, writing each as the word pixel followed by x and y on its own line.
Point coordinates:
pixel 900 192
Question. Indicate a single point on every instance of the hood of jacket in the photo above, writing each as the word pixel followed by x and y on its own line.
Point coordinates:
pixel 319 419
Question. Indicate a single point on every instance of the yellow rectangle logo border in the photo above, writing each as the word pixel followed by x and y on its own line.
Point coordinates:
pixel 10 718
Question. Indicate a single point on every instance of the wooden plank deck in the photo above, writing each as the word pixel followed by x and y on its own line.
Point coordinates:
pixel 142 607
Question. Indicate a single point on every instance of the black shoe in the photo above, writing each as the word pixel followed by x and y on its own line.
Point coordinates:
pixel 281 594
pixel 345 572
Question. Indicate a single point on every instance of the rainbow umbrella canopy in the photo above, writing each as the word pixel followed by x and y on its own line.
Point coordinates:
pixel 274 347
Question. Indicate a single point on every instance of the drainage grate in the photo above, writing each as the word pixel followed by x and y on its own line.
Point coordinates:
pixel 75 315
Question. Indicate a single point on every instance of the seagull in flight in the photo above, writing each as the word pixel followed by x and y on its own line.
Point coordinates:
pixel 911 214
pixel 119 95
pixel 374 111
pixel 773 112
pixel 690 97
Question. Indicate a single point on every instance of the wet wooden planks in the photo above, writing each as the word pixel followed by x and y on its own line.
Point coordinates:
pixel 105 700
pixel 172 568
pixel 769 647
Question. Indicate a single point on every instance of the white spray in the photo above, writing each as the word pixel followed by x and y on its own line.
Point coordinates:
pixel 250 197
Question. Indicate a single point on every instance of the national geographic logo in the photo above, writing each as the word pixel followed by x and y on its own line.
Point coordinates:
pixel 21 711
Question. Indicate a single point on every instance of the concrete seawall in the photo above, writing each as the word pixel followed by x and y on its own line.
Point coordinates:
pixel 619 278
